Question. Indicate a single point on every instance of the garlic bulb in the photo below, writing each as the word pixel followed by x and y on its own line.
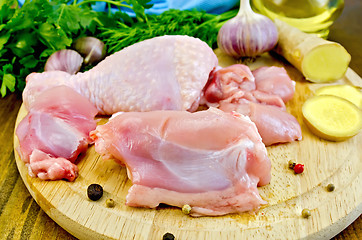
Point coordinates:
pixel 64 60
pixel 92 49
pixel 248 34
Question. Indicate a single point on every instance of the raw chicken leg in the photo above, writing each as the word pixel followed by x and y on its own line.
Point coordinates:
pixel 163 73
pixel 211 160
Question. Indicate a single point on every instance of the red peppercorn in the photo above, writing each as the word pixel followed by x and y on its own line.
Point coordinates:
pixel 299 168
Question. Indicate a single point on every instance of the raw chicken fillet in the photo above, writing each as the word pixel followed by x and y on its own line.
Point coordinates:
pixel 54 132
pixel 211 160
pixel 260 95
pixel 274 80
pixel 162 73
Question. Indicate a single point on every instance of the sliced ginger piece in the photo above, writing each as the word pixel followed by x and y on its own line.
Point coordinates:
pixel 345 91
pixel 317 59
pixel 331 117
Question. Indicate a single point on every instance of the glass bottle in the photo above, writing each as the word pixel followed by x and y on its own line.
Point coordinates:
pixel 311 16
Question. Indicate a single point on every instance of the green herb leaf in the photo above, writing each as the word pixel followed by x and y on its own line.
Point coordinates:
pixel 8 80
pixel 52 37
pixel 4 39
pixel 7 83
pixel 29 61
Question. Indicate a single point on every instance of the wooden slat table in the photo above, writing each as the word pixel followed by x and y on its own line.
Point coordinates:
pixel 22 218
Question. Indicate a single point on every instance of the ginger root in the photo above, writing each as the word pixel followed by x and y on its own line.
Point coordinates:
pixel 331 117
pixel 345 91
pixel 317 59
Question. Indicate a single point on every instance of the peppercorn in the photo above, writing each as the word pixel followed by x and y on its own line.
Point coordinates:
pixel 299 168
pixel 168 236
pixel 330 187
pixel 186 209
pixel 306 213
pixel 95 192
pixel 291 164
pixel 110 203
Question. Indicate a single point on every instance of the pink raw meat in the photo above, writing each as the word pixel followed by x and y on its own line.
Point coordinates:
pixel 163 73
pixel 211 160
pixel 57 125
pixel 229 83
pixel 235 83
pixel 274 125
pixel 45 167
pixel 274 80
pixel 64 103
pixel 233 89
pixel 267 99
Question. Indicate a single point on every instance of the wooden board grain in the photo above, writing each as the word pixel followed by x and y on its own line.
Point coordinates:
pixel 325 162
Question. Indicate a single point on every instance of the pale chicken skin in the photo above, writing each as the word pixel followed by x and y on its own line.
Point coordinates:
pixel 54 132
pixel 162 73
pixel 211 160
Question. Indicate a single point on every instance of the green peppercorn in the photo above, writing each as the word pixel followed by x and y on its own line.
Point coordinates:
pixel 95 192
pixel 110 203
pixel 168 236
pixel 291 164
pixel 306 213
pixel 186 209
pixel 330 187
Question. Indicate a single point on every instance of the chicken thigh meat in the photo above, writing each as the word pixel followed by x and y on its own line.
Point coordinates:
pixel 211 160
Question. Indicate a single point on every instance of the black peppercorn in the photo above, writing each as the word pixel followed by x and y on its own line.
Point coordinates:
pixel 168 236
pixel 95 192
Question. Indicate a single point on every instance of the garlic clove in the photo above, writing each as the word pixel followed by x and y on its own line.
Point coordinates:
pixel 92 49
pixel 65 60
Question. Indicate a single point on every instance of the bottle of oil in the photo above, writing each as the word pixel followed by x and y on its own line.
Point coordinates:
pixel 312 16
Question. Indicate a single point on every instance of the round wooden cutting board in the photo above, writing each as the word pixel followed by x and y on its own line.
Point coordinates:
pixel 325 162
